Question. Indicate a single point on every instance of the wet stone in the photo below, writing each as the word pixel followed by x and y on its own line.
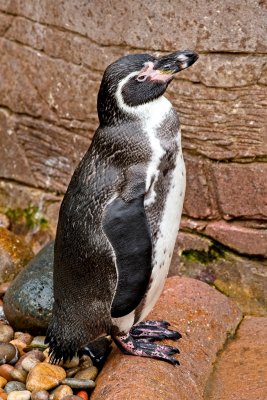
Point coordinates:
pixel 79 383
pixel 40 395
pixel 20 345
pixel 14 386
pixel 88 373
pixel 19 395
pixel 8 353
pixel 45 376
pixel 6 333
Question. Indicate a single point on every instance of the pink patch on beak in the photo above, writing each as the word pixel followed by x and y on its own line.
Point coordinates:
pixel 154 75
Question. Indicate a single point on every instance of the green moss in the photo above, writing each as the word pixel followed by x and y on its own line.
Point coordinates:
pixel 30 216
pixel 216 250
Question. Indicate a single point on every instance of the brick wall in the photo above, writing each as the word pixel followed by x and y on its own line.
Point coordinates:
pixel 52 57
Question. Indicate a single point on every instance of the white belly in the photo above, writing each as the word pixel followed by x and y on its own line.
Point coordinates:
pixel 168 229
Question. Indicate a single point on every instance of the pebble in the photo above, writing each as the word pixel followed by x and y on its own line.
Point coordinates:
pixel 72 371
pixel 3 382
pixel 14 386
pixel 85 362
pixel 79 383
pixel 20 345
pixel 6 333
pixel 88 373
pixel 3 395
pixel 23 337
pixel 83 394
pixel 74 362
pixel 8 353
pixel 19 374
pixel 19 395
pixel 38 342
pixel 29 362
pixel 72 397
pixel 61 391
pixel 5 371
pixel 40 395
pixel 44 376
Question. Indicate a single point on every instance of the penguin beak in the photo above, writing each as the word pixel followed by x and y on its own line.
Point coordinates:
pixel 163 69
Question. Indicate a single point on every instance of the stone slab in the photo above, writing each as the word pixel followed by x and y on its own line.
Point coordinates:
pixel 241 369
pixel 204 317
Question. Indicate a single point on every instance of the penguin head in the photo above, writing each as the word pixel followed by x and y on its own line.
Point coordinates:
pixel 135 80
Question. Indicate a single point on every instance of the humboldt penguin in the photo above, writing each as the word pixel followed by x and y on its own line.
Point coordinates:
pixel 120 215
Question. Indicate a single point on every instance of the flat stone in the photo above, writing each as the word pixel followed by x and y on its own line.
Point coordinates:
pixel 14 255
pixel 204 317
pixel 241 369
pixel 44 376
pixel 28 301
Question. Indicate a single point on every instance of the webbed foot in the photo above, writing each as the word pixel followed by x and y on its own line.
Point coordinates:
pixel 141 344
pixel 154 330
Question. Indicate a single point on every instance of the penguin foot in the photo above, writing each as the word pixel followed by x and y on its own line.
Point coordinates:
pixel 154 330
pixel 98 350
pixel 144 348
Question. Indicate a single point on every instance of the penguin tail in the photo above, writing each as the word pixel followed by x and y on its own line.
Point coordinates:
pixel 60 347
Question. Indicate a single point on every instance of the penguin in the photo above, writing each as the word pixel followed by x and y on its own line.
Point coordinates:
pixel 120 215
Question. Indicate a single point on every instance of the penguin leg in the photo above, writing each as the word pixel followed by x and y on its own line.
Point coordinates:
pixel 154 330
pixel 144 348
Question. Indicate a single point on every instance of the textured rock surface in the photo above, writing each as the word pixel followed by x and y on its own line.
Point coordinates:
pixel 242 279
pixel 241 370
pixel 28 301
pixel 204 317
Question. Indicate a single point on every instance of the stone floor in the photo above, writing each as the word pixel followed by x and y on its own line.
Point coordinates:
pixel 223 355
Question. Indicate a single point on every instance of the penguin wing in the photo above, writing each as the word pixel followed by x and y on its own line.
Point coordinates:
pixel 126 227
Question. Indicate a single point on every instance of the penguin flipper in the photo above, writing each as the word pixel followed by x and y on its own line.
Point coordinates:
pixel 126 227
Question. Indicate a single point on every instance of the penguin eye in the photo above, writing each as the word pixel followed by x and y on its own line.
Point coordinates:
pixel 141 78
